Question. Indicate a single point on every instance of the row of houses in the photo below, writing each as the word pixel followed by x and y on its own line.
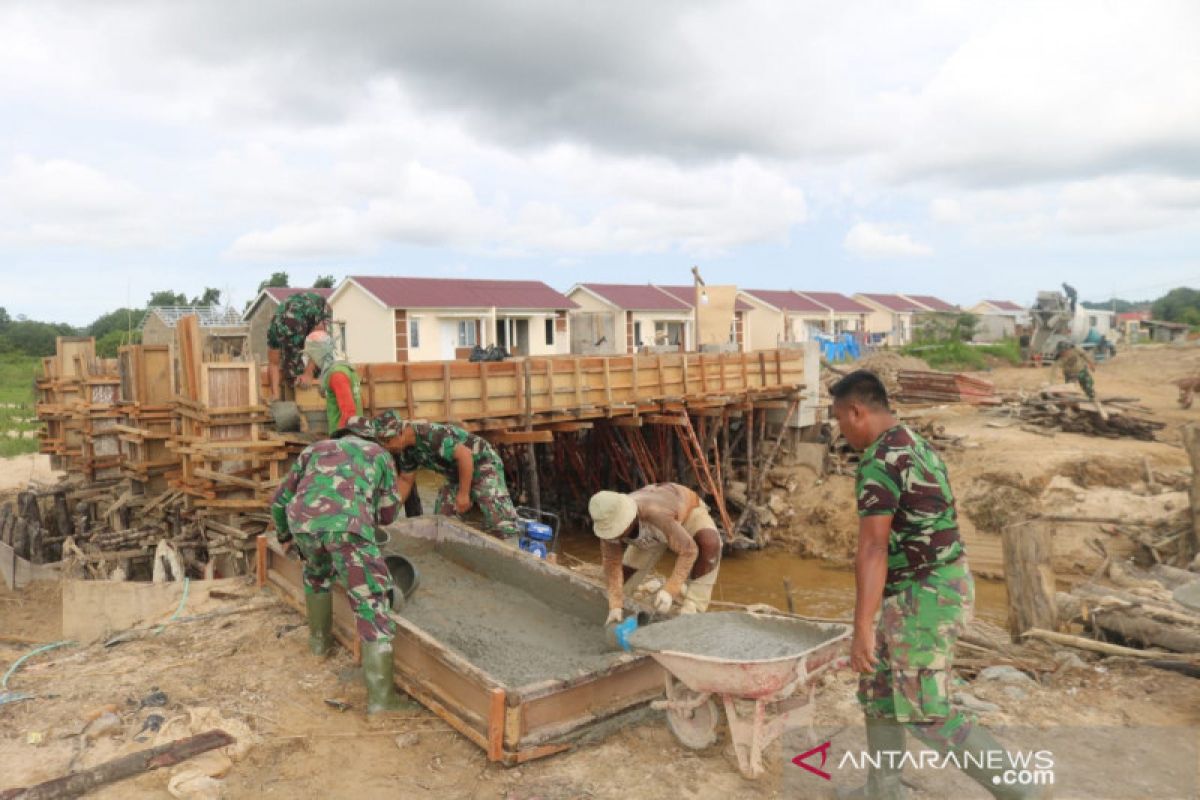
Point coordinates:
pixel 405 319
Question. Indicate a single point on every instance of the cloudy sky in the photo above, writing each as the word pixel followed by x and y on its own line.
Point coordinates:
pixel 964 150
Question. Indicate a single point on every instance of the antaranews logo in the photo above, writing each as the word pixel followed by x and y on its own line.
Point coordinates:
pixel 1011 768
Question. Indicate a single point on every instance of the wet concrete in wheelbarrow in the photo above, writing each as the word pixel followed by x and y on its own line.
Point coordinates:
pixel 734 636
pixel 516 624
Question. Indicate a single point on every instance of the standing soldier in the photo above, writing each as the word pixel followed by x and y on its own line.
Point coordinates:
pixel 912 571
pixel 337 494
pixel 337 381
pixel 1077 366
pixel 295 318
pixel 472 468
pixel 652 520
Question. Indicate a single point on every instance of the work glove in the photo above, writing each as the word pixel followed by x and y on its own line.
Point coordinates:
pixel 662 601
pixel 614 616
pixel 688 607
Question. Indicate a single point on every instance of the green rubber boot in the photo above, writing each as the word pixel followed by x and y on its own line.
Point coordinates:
pixel 886 735
pixel 377 672
pixel 320 622
pixel 981 741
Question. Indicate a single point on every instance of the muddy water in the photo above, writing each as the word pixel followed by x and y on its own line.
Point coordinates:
pixel 819 589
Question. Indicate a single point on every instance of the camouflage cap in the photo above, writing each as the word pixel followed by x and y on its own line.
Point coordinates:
pixel 356 426
pixel 388 425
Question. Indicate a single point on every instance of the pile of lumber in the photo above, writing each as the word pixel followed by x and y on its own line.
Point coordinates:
pixel 1064 410
pixel 147 421
pixel 917 386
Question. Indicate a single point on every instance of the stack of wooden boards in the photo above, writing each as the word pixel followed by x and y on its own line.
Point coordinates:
pixel 918 386
pixel 77 400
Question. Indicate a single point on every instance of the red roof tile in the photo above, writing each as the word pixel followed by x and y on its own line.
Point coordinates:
pixel 787 300
pixel 931 302
pixel 838 302
pixel 688 295
pixel 893 302
pixel 280 292
pixel 638 297
pixel 396 292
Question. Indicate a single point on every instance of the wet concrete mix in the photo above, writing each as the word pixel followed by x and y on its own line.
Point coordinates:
pixel 732 635
pixel 517 636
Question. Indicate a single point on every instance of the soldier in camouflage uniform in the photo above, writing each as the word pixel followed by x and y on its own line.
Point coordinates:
pixel 337 495
pixel 1077 366
pixel 295 318
pixel 473 470
pixel 911 568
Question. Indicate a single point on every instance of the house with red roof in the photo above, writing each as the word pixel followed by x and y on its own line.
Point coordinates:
pixel 784 316
pixel 261 310
pixel 998 319
pixel 893 316
pixel 389 318
pixel 628 317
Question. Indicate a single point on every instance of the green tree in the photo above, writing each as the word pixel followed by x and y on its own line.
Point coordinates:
pixel 1175 305
pixel 168 298
pixel 211 297
pixel 1115 304
pixel 278 280
pixel 36 338
pixel 323 282
pixel 106 345
pixel 4 318
pixel 122 319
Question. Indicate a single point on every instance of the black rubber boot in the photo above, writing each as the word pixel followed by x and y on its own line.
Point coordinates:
pixel 320 622
pixel 381 686
pixel 886 735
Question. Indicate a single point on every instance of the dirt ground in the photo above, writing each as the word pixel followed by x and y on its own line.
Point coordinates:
pixel 251 673
pixel 1002 473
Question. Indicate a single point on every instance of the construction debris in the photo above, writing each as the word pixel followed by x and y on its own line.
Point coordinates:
pixel 1063 410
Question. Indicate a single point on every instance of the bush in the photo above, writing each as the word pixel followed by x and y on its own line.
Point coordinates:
pixel 959 356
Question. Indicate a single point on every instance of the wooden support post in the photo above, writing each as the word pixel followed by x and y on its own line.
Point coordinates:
pixel 531 471
pixel 496 720
pixel 260 560
pixel 447 397
pixel 1191 443
pixel 409 401
pixel 483 388
pixel 1029 573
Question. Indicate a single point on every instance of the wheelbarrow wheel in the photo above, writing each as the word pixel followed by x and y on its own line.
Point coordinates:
pixel 695 728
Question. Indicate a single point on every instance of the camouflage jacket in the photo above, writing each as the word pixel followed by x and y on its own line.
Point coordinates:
pixel 1072 362
pixel 901 475
pixel 434 449
pixel 296 317
pixel 345 485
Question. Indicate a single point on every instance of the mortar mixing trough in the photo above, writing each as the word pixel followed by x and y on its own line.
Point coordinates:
pixel 763 697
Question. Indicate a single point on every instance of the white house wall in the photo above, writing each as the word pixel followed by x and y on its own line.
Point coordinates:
pixel 370 328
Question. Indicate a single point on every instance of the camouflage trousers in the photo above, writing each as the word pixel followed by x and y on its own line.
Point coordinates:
pixel 914 642
pixel 1085 381
pixel 357 563
pixel 490 493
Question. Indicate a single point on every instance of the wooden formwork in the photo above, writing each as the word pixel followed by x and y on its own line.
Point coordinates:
pixel 512 724
pixel 60 392
pixel 147 375
pixel 500 396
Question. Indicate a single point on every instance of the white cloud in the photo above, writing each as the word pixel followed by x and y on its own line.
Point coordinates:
pixel 868 240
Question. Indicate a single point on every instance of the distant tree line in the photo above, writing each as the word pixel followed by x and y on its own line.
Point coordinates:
pixel 115 328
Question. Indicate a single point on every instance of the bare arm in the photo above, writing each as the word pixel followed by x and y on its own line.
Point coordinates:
pixel 614 581
pixel 681 543
pixel 870 575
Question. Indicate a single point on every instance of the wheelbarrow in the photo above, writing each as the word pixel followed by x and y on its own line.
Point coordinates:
pixel 763 699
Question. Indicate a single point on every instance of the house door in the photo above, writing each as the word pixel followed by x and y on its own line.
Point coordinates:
pixel 449 338
pixel 520 336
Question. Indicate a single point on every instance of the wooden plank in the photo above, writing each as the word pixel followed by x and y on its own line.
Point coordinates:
pixel 569 427
pixel 447 393
pixel 521 437
pixel 496 717
pixel 608 395
pixel 664 419
pixel 627 422
pixel 483 387
pixel 409 400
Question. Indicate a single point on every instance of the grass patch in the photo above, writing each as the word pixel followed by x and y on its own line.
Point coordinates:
pixel 17 399
pixel 958 356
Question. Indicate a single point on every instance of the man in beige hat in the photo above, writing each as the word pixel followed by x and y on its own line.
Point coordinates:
pixel 635 529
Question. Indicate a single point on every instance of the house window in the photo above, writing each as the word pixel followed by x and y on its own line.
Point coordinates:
pixel 466 333
pixel 637 334
pixel 550 331
pixel 339 336
pixel 733 331
pixel 414 333
pixel 1092 321
pixel 668 333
